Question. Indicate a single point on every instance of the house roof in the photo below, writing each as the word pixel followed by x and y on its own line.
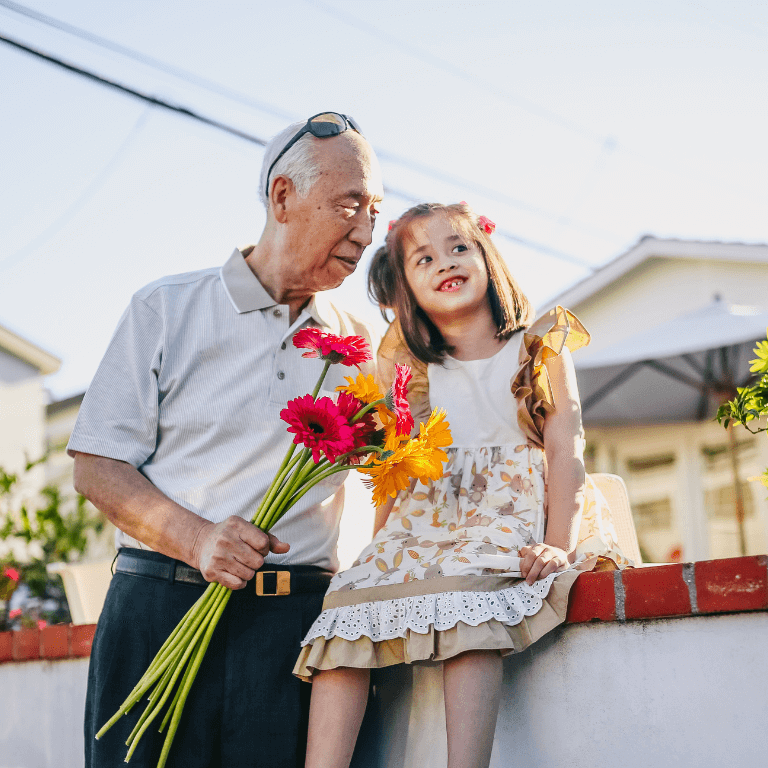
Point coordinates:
pixel 30 353
pixel 62 405
pixel 649 247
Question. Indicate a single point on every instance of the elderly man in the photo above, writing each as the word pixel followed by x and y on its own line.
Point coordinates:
pixel 178 438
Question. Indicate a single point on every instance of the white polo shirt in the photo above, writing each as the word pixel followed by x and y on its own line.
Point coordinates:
pixel 190 392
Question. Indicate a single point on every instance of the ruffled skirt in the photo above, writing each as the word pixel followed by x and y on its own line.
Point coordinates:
pixel 434 626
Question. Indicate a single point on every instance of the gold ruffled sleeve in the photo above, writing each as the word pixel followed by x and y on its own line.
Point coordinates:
pixel 546 338
pixel 532 389
pixel 393 349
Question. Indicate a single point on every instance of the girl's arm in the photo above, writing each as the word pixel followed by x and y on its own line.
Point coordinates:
pixel 382 513
pixel 564 448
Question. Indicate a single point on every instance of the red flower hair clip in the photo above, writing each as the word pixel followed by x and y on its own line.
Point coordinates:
pixel 486 224
pixel 392 224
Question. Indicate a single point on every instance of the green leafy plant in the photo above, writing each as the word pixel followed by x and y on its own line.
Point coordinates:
pixel 56 526
pixel 751 402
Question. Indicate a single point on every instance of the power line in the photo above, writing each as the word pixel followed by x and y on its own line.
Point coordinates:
pixel 447 66
pixel 130 53
pixel 90 190
pixel 158 102
pixel 209 85
pixel 521 102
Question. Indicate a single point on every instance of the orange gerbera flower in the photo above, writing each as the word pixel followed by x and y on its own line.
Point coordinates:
pixel 436 434
pixel 362 387
pixel 392 474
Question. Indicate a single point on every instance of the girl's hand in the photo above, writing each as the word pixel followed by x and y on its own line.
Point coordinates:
pixel 540 560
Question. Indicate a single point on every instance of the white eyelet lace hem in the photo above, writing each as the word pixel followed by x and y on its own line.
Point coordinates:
pixel 387 619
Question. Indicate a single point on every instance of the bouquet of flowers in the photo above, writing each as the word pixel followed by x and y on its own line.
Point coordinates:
pixel 335 436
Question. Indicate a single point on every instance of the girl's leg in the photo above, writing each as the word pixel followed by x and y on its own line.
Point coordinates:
pixel 472 684
pixel 336 710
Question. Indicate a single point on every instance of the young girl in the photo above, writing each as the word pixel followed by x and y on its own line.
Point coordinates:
pixel 478 564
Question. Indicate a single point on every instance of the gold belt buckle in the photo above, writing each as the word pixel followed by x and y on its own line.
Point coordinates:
pixel 283 586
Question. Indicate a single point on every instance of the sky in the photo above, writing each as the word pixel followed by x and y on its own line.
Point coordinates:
pixel 577 127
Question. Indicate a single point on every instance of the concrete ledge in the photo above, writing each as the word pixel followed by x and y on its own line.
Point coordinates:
pixel 683 589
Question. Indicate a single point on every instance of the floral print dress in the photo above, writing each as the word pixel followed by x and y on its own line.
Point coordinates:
pixel 443 575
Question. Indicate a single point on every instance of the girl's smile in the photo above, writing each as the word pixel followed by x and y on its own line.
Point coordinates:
pixel 452 284
pixel 445 270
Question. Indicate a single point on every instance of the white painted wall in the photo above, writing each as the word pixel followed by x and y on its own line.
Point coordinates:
pixel 22 422
pixel 702 536
pixel 662 289
pixel 42 721
pixel 647 694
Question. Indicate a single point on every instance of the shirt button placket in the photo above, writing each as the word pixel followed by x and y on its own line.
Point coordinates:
pixel 278 313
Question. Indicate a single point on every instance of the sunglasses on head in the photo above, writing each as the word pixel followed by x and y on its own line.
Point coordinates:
pixel 321 127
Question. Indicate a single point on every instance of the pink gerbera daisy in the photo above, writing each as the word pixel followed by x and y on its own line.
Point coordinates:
pixel 364 429
pixel 397 402
pixel 348 350
pixel 319 426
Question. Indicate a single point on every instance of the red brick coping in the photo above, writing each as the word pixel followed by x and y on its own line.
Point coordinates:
pixel 682 589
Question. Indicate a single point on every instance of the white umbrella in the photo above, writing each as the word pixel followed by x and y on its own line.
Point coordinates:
pixel 680 370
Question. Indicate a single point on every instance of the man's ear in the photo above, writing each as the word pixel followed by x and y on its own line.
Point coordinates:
pixel 281 196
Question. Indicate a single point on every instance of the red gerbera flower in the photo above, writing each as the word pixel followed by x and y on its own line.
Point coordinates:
pixel 348 350
pixel 319 426
pixel 12 573
pixel 397 401
pixel 363 429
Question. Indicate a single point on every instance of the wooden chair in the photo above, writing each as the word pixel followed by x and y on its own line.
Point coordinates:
pixel 615 492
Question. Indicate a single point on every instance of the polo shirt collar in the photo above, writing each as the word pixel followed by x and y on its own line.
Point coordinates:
pixel 243 287
pixel 247 294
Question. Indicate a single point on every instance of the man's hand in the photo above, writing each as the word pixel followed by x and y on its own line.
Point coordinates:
pixel 232 551
pixel 540 560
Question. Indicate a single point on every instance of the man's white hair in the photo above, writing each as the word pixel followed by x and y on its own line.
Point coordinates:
pixel 299 163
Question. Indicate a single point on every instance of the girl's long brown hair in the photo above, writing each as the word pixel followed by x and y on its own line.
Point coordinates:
pixel 388 286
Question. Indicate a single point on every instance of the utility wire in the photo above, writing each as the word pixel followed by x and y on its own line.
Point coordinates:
pixel 90 190
pixel 209 85
pixel 158 102
pixel 142 58
pixel 447 66
pixel 518 101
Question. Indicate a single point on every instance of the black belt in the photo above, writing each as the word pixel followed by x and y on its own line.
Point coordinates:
pixel 269 581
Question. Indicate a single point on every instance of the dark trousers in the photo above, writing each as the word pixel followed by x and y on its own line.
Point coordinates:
pixel 245 710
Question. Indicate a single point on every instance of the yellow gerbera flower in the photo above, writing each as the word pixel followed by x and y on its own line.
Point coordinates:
pixel 393 474
pixel 436 434
pixel 363 388
pixel 389 421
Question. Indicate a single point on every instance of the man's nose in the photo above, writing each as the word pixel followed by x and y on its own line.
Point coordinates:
pixel 362 234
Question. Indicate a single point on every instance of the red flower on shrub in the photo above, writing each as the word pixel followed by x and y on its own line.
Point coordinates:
pixel 11 573
pixel 14 614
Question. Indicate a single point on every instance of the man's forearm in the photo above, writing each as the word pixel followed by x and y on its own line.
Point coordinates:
pixel 139 509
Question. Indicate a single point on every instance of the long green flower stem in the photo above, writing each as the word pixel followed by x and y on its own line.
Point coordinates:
pixel 133 739
pixel 187 684
pixel 359 415
pixel 178 661
pixel 278 502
